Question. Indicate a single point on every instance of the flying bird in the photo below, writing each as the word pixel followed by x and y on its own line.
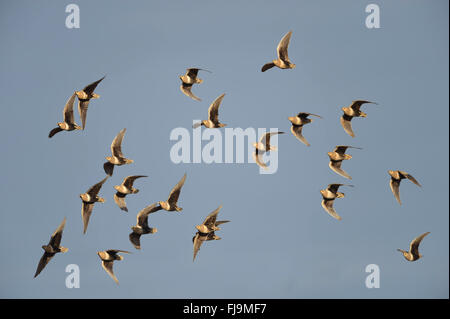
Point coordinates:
pixel 172 202
pixel 108 257
pixel 68 123
pixel 88 200
pixel 213 115
pixel 297 125
pixel 117 157
pixel 283 61
pixel 84 96
pixel 262 146
pixel 206 230
pixel 413 253
pixel 188 80
pixel 142 227
pixel 328 196
pixel 350 112
pixel 53 247
pixel 124 189
pixel 396 177
pixel 336 158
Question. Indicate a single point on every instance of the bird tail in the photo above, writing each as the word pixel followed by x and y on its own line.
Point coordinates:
pixel 363 114
pixel 347 157
pixel 340 195
pixel 95 96
pixel 101 200
pixel 129 161
pixel 198 81
pixel 64 249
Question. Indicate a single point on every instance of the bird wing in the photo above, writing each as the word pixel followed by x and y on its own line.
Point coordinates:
pixel 116 145
pixel 328 206
pixel 135 239
pixel 129 180
pixel 297 131
pixel 257 157
pixel 213 111
pixel 414 245
pixel 142 216
pixel 267 66
pixel 175 192
pixel 411 178
pixel 265 139
pixel 198 241
pixel 305 115
pixel 86 211
pixel 54 131
pixel 395 187
pixel 89 89
pixel 210 220
pixel 334 187
pixel 82 110
pixel 347 124
pixel 119 198
pixel 46 257
pixel 192 72
pixel 356 105
pixel 282 48
pixel 109 168
pixel 220 222
pixel 341 149
pixel 186 89
pixel 95 189
pixel 68 110
pixel 336 167
pixel 55 240
pixel 108 266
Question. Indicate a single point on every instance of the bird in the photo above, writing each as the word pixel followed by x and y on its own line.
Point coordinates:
pixel 336 158
pixel 329 195
pixel 88 200
pixel 107 257
pixel 206 230
pixel 188 80
pixel 84 96
pixel 171 203
pixel 413 253
pixel 117 157
pixel 283 61
pixel 262 146
pixel 297 125
pixel 53 247
pixel 142 227
pixel 213 115
pixel 396 177
pixel 124 189
pixel 68 123
pixel 350 112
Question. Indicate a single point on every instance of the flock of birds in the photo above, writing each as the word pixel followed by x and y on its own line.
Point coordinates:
pixel 206 230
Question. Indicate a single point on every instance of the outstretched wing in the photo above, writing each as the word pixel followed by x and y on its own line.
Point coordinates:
pixel 142 216
pixel 328 206
pixel 186 89
pixel 411 178
pixel 414 245
pixel 347 124
pixel 175 192
pixel 282 48
pixel 213 111
pixel 46 257
pixel 210 220
pixel 86 211
pixel 135 239
pixel 356 105
pixel 54 131
pixel 55 240
pixel 119 199
pixel 267 66
pixel 129 180
pixel 297 131
pixel 116 145
pixel 198 241
pixel 89 89
pixel 395 187
pixel 68 110
pixel 108 267
pixel 336 167
pixel 94 190
pixel 257 157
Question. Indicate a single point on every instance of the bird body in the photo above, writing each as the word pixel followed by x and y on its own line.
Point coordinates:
pixel 124 189
pixel 350 112
pixel 413 253
pixel 337 156
pixel 172 202
pixel 117 157
pixel 84 96
pixel 282 61
pixel 88 200
pixel 394 183
pixel 141 227
pixel 298 122
pixel 213 115
pixel 108 257
pixel 328 196
pixel 188 80
pixel 52 248
pixel 68 123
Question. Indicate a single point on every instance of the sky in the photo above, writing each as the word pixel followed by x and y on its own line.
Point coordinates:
pixel 280 243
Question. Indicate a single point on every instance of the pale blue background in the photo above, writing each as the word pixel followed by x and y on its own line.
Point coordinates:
pixel 280 243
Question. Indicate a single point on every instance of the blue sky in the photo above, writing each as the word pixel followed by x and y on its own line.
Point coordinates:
pixel 279 243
